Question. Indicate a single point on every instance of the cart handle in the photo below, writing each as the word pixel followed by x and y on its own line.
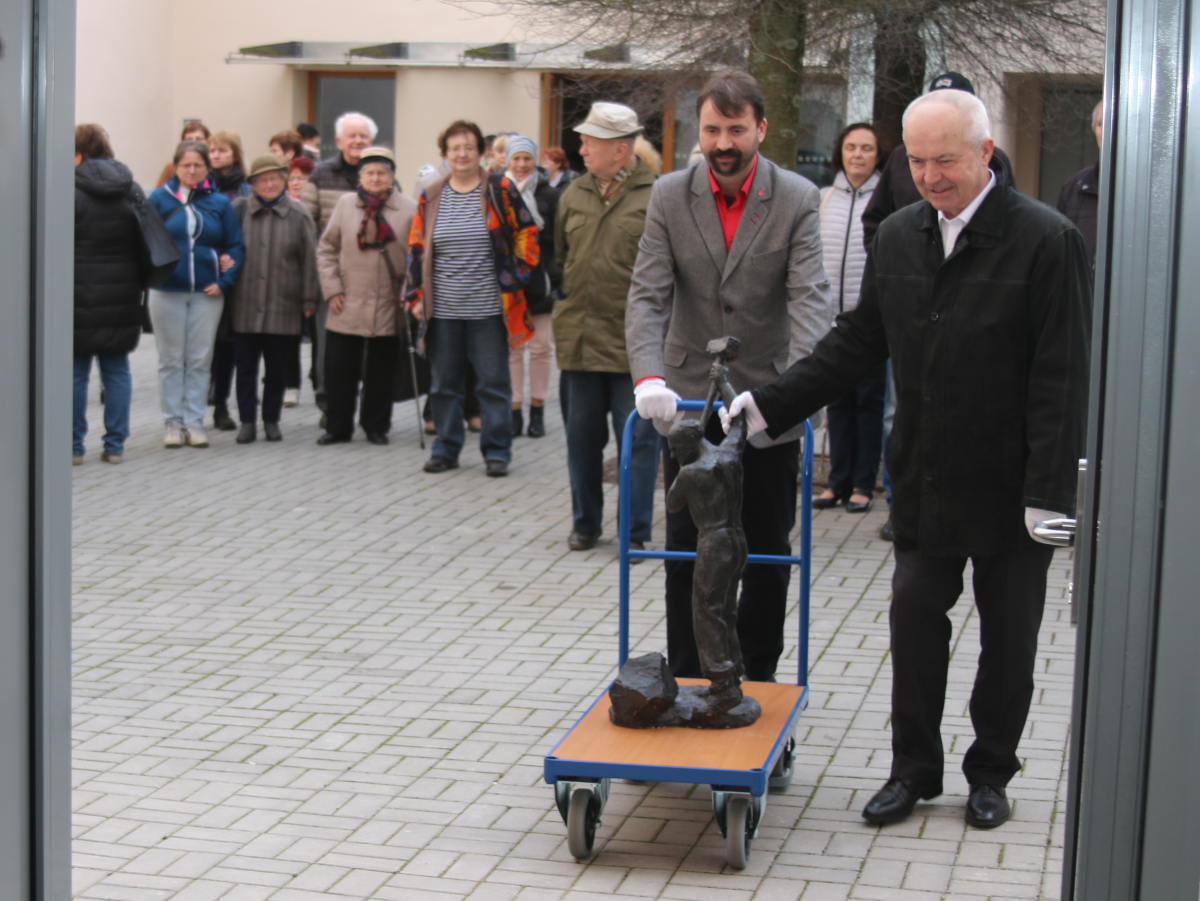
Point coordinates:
pixel 803 560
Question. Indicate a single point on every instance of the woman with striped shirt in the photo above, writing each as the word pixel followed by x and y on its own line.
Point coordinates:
pixel 473 246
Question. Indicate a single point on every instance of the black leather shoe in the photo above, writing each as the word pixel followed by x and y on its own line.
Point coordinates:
pixel 825 503
pixel 537 422
pixel 853 507
pixel 222 420
pixel 330 438
pixel 885 531
pixel 518 421
pixel 578 542
pixel 438 463
pixel 987 807
pixel 246 434
pixel 497 468
pixel 896 800
pixel 377 438
pixel 271 430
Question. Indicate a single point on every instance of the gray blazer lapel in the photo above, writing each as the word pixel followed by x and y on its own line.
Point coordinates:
pixel 704 209
pixel 752 217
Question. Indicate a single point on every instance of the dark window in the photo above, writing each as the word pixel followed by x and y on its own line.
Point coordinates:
pixel 336 94
pixel 1068 142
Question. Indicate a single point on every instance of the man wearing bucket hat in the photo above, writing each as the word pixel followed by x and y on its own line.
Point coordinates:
pixel 601 216
pixel 278 287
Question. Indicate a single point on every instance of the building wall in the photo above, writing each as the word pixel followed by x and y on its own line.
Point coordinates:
pixel 125 78
pixel 145 66
pixel 427 100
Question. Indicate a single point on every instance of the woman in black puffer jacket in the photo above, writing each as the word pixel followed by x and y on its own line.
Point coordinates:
pixel 108 287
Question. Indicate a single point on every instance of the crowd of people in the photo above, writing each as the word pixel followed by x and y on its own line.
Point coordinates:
pixel 921 300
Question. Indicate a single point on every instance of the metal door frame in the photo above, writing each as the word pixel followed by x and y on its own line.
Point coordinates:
pixel 1134 789
pixel 37 100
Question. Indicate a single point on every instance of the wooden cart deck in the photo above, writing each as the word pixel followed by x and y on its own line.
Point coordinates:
pixel 737 757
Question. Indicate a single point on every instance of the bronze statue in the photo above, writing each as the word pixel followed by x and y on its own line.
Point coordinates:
pixel 709 484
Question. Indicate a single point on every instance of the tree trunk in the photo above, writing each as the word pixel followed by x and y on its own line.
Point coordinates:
pixel 777 32
pixel 899 71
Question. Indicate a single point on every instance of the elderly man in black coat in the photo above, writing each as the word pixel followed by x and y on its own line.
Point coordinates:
pixel 982 298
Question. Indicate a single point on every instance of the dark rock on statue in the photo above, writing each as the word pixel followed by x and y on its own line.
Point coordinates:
pixel 709 484
pixel 644 690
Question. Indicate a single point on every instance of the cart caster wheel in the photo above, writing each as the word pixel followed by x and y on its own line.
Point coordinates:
pixel 738 832
pixel 785 767
pixel 583 817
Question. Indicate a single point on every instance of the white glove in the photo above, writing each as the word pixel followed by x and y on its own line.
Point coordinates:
pixel 1033 516
pixel 655 400
pixel 744 402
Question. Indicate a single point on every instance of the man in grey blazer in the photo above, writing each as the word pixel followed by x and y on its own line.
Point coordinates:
pixel 732 246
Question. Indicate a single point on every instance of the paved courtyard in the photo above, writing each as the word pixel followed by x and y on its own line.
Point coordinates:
pixel 317 673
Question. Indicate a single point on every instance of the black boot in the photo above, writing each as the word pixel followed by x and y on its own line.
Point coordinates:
pixel 519 421
pixel 537 422
pixel 222 420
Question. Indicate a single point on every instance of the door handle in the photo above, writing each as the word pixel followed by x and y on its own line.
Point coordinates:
pixel 1058 532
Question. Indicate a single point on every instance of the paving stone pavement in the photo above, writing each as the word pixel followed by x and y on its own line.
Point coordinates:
pixel 307 672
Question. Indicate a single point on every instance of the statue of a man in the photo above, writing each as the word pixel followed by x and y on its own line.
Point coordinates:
pixel 709 484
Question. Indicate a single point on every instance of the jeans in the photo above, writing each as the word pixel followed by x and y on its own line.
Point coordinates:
pixel 452 344
pixel 275 351
pixel 855 424
pixel 118 392
pixel 588 400
pixel 185 328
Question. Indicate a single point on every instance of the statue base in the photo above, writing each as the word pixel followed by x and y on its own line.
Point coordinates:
pixel 646 696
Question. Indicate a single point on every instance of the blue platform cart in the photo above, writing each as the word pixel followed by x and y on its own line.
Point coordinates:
pixel 739 764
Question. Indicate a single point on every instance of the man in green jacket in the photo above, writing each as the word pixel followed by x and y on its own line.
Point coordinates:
pixel 601 216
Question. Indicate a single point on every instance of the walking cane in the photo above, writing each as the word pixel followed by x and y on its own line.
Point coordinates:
pixel 412 350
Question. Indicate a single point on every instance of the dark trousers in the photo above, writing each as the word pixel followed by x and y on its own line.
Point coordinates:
pixel 855 426
pixel 293 364
pixel 1010 592
pixel 344 371
pixel 589 400
pixel 769 489
pixel 221 377
pixel 274 351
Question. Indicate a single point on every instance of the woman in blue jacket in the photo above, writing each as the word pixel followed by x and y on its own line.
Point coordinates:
pixel 186 310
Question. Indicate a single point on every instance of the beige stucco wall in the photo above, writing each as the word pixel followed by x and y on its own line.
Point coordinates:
pixel 147 65
pixel 427 100
pixel 125 78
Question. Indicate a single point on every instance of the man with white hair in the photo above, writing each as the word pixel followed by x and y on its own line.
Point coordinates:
pixel 353 133
pixel 982 299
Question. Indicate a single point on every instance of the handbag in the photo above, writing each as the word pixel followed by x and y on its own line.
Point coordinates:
pixel 159 255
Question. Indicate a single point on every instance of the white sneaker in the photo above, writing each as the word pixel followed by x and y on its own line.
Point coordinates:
pixel 174 437
pixel 291 397
pixel 195 436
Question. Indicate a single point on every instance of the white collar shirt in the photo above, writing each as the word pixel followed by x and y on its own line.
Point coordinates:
pixel 952 228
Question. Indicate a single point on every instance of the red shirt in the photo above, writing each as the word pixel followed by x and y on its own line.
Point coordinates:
pixel 731 213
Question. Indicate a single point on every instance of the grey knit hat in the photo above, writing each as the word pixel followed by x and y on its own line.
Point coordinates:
pixel 519 144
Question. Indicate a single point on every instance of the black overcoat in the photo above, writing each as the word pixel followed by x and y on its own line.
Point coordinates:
pixel 108 246
pixel 989 351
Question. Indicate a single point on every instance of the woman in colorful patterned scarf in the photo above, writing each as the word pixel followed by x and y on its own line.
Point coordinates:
pixel 363 245
pixel 473 247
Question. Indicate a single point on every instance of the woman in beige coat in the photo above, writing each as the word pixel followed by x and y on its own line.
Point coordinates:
pixel 367 231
